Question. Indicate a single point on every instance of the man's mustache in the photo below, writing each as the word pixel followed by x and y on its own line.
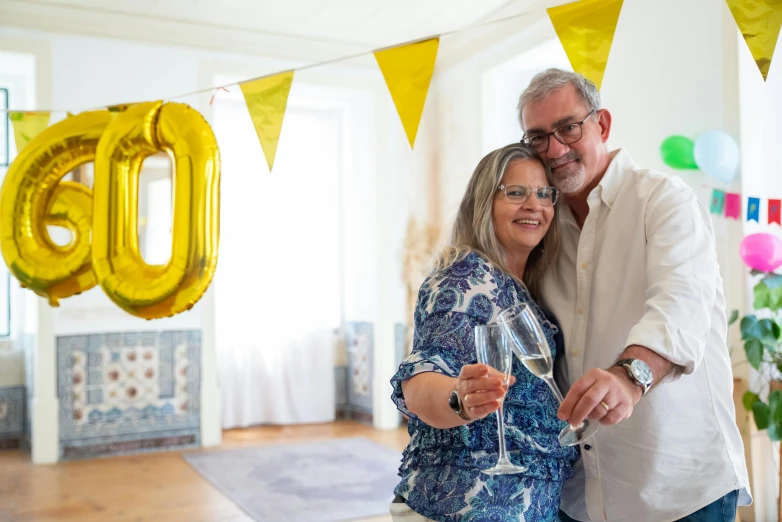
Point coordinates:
pixel 567 158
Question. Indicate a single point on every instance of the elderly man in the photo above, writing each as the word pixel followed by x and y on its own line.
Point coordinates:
pixel 638 292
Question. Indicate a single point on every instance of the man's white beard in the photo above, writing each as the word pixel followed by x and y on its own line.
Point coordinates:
pixel 570 179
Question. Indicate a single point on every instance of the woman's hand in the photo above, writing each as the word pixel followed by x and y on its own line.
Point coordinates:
pixel 481 389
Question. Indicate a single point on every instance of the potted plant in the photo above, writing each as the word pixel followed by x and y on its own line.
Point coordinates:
pixel 763 348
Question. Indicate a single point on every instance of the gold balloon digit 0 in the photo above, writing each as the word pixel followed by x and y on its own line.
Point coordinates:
pixel 32 197
pixel 153 291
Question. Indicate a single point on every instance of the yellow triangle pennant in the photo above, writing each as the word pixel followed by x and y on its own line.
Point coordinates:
pixel 759 22
pixel 586 30
pixel 408 71
pixel 27 125
pixel 266 100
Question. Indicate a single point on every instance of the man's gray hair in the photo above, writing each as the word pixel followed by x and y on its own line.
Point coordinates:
pixel 550 80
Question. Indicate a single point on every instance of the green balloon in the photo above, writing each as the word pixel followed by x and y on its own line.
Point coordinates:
pixel 677 152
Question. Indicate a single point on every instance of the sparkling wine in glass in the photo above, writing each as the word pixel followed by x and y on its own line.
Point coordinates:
pixel 493 350
pixel 524 333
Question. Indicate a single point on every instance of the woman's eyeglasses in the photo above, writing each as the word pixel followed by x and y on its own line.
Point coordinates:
pixel 520 193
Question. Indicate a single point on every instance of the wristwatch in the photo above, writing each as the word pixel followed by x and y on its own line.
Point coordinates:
pixel 456 405
pixel 638 371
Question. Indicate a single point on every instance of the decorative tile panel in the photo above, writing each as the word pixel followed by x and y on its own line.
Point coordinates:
pixel 120 391
pixel 12 412
pixel 360 343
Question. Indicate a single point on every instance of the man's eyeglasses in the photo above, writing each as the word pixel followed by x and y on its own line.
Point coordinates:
pixel 566 134
pixel 520 193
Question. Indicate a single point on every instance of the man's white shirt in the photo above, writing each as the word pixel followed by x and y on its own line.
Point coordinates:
pixel 643 271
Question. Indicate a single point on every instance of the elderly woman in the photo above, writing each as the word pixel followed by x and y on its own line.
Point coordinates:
pixel 503 241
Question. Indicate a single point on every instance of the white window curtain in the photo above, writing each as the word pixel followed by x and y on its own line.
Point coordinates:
pixel 277 286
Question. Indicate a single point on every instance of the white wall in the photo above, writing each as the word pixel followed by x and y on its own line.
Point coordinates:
pixel 761 132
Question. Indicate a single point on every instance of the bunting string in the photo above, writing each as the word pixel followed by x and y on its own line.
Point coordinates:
pixel 313 65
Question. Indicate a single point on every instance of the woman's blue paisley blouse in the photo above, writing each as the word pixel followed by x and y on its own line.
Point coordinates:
pixel 440 469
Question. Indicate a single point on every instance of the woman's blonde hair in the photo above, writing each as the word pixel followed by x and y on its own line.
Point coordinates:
pixel 473 230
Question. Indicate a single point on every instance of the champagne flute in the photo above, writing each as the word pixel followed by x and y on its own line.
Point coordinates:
pixel 520 325
pixel 493 350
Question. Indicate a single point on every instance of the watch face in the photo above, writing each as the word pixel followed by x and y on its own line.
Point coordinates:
pixel 642 371
pixel 453 401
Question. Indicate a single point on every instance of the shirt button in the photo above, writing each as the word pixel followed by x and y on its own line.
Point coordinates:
pixel 574 353
pixel 584 265
pixel 581 310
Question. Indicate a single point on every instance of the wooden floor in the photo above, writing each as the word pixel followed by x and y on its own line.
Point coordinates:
pixel 154 487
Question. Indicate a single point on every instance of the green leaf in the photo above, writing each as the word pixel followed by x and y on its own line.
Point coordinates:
pixel 769 330
pixel 775 299
pixel 773 281
pixel 761 414
pixel 749 399
pixel 754 350
pixel 762 296
pixel 775 432
pixel 775 406
pixel 762 329
pixel 734 315
pixel 749 327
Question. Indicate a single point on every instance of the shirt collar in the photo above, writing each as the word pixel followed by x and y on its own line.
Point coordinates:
pixel 612 179
pixel 607 188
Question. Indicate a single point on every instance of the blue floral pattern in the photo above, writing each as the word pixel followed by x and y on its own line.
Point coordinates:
pixel 440 469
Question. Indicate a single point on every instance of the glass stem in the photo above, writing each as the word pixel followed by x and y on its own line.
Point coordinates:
pixel 554 388
pixel 557 394
pixel 503 457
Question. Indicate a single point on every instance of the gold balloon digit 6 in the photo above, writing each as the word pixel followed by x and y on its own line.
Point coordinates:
pixel 33 197
pixel 153 291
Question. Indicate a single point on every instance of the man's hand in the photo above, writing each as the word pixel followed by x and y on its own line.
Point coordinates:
pixel 604 395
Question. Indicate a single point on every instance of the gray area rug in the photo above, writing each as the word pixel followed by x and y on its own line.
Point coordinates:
pixel 328 481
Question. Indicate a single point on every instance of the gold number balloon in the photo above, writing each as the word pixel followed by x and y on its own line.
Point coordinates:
pixel 33 197
pixel 153 291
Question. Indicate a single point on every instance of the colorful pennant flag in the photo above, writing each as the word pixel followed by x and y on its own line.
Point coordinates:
pixel 408 73
pixel 586 31
pixel 753 209
pixel 774 211
pixel 27 125
pixel 732 205
pixel 267 99
pixel 717 201
pixel 759 22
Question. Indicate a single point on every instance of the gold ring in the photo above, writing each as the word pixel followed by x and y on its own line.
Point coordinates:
pixel 604 405
pixel 464 399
